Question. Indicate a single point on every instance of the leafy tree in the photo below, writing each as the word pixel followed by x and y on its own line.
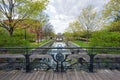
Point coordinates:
pixel 36 24
pixel 112 10
pixel 89 19
pixel 114 27
pixel 33 27
pixel 42 18
pixel 36 27
pixel 112 15
pixel 14 11
pixel 48 30
pixel 68 36
pixel 74 28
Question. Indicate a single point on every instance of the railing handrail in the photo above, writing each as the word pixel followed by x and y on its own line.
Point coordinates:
pixel 88 57
pixel 96 47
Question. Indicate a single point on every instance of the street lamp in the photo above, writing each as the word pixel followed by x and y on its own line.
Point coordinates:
pixel 27 56
pixel 25 37
pixel 25 30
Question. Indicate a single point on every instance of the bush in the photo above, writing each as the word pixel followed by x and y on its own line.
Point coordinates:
pixel 17 40
pixel 86 34
pixel 21 34
pixel 114 27
pixel 105 39
pixel 13 42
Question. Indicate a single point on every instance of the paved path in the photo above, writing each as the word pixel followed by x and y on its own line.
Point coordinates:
pixel 69 75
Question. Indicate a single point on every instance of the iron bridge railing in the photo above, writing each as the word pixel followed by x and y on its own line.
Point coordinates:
pixel 60 59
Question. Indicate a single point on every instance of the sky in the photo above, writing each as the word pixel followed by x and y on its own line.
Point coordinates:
pixel 62 12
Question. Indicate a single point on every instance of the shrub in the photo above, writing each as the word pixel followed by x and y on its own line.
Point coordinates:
pixel 17 40
pixel 105 39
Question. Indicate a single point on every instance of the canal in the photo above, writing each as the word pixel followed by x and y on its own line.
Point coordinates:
pixel 58 54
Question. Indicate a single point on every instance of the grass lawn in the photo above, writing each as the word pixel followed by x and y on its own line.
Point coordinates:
pixel 81 43
pixel 35 44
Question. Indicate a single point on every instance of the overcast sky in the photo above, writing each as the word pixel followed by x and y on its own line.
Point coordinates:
pixel 62 12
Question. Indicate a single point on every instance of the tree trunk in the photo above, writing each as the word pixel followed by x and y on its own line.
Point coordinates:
pixel 11 32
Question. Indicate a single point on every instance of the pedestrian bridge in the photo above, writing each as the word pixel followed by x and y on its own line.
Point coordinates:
pixel 69 75
pixel 60 63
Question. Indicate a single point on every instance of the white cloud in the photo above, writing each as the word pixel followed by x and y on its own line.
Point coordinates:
pixel 52 1
pixel 60 23
pixel 51 9
pixel 62 12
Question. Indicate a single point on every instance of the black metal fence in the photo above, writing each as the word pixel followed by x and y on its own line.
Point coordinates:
pixel 60 59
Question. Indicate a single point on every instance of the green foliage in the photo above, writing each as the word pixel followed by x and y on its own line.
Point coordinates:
pixel 85 34
pixel 32 8
pixel 112 10
pixel 17 40
pixel 105 39
pixel 89 19
pixel 23 9
pixel 74 27
pixel 114 27
pixel 20 33
pixel 68 36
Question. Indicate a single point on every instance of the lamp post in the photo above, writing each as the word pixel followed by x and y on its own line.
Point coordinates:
pixel 25 31
pixel 40 35
pixel 25 37
pixel 27 56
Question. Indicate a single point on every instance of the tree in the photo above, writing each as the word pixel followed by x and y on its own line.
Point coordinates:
pixel 42 17
pixel 32 26
pixel 68 36
pixel 112 14
pixel 14 11
pixel 114 27
pixel 48 30
pixel 36 27
pixel 112 10
pixel 90 20
pixel 75 28
pixel 39 22
pixel 35 24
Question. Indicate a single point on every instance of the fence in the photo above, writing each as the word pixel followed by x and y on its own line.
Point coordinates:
pixel 60 59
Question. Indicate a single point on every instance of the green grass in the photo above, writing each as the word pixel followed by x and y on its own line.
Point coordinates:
pixel 81 43
pixel 35 44
pixel 24 49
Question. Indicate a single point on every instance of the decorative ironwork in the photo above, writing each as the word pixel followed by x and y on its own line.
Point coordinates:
pixel 60 57
pixel 89 59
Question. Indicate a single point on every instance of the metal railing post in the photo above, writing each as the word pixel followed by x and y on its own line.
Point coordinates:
pixel 91 63
pixel 27 60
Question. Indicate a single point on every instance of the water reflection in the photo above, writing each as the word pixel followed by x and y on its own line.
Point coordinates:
pixel 53 52
pixel 59 45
